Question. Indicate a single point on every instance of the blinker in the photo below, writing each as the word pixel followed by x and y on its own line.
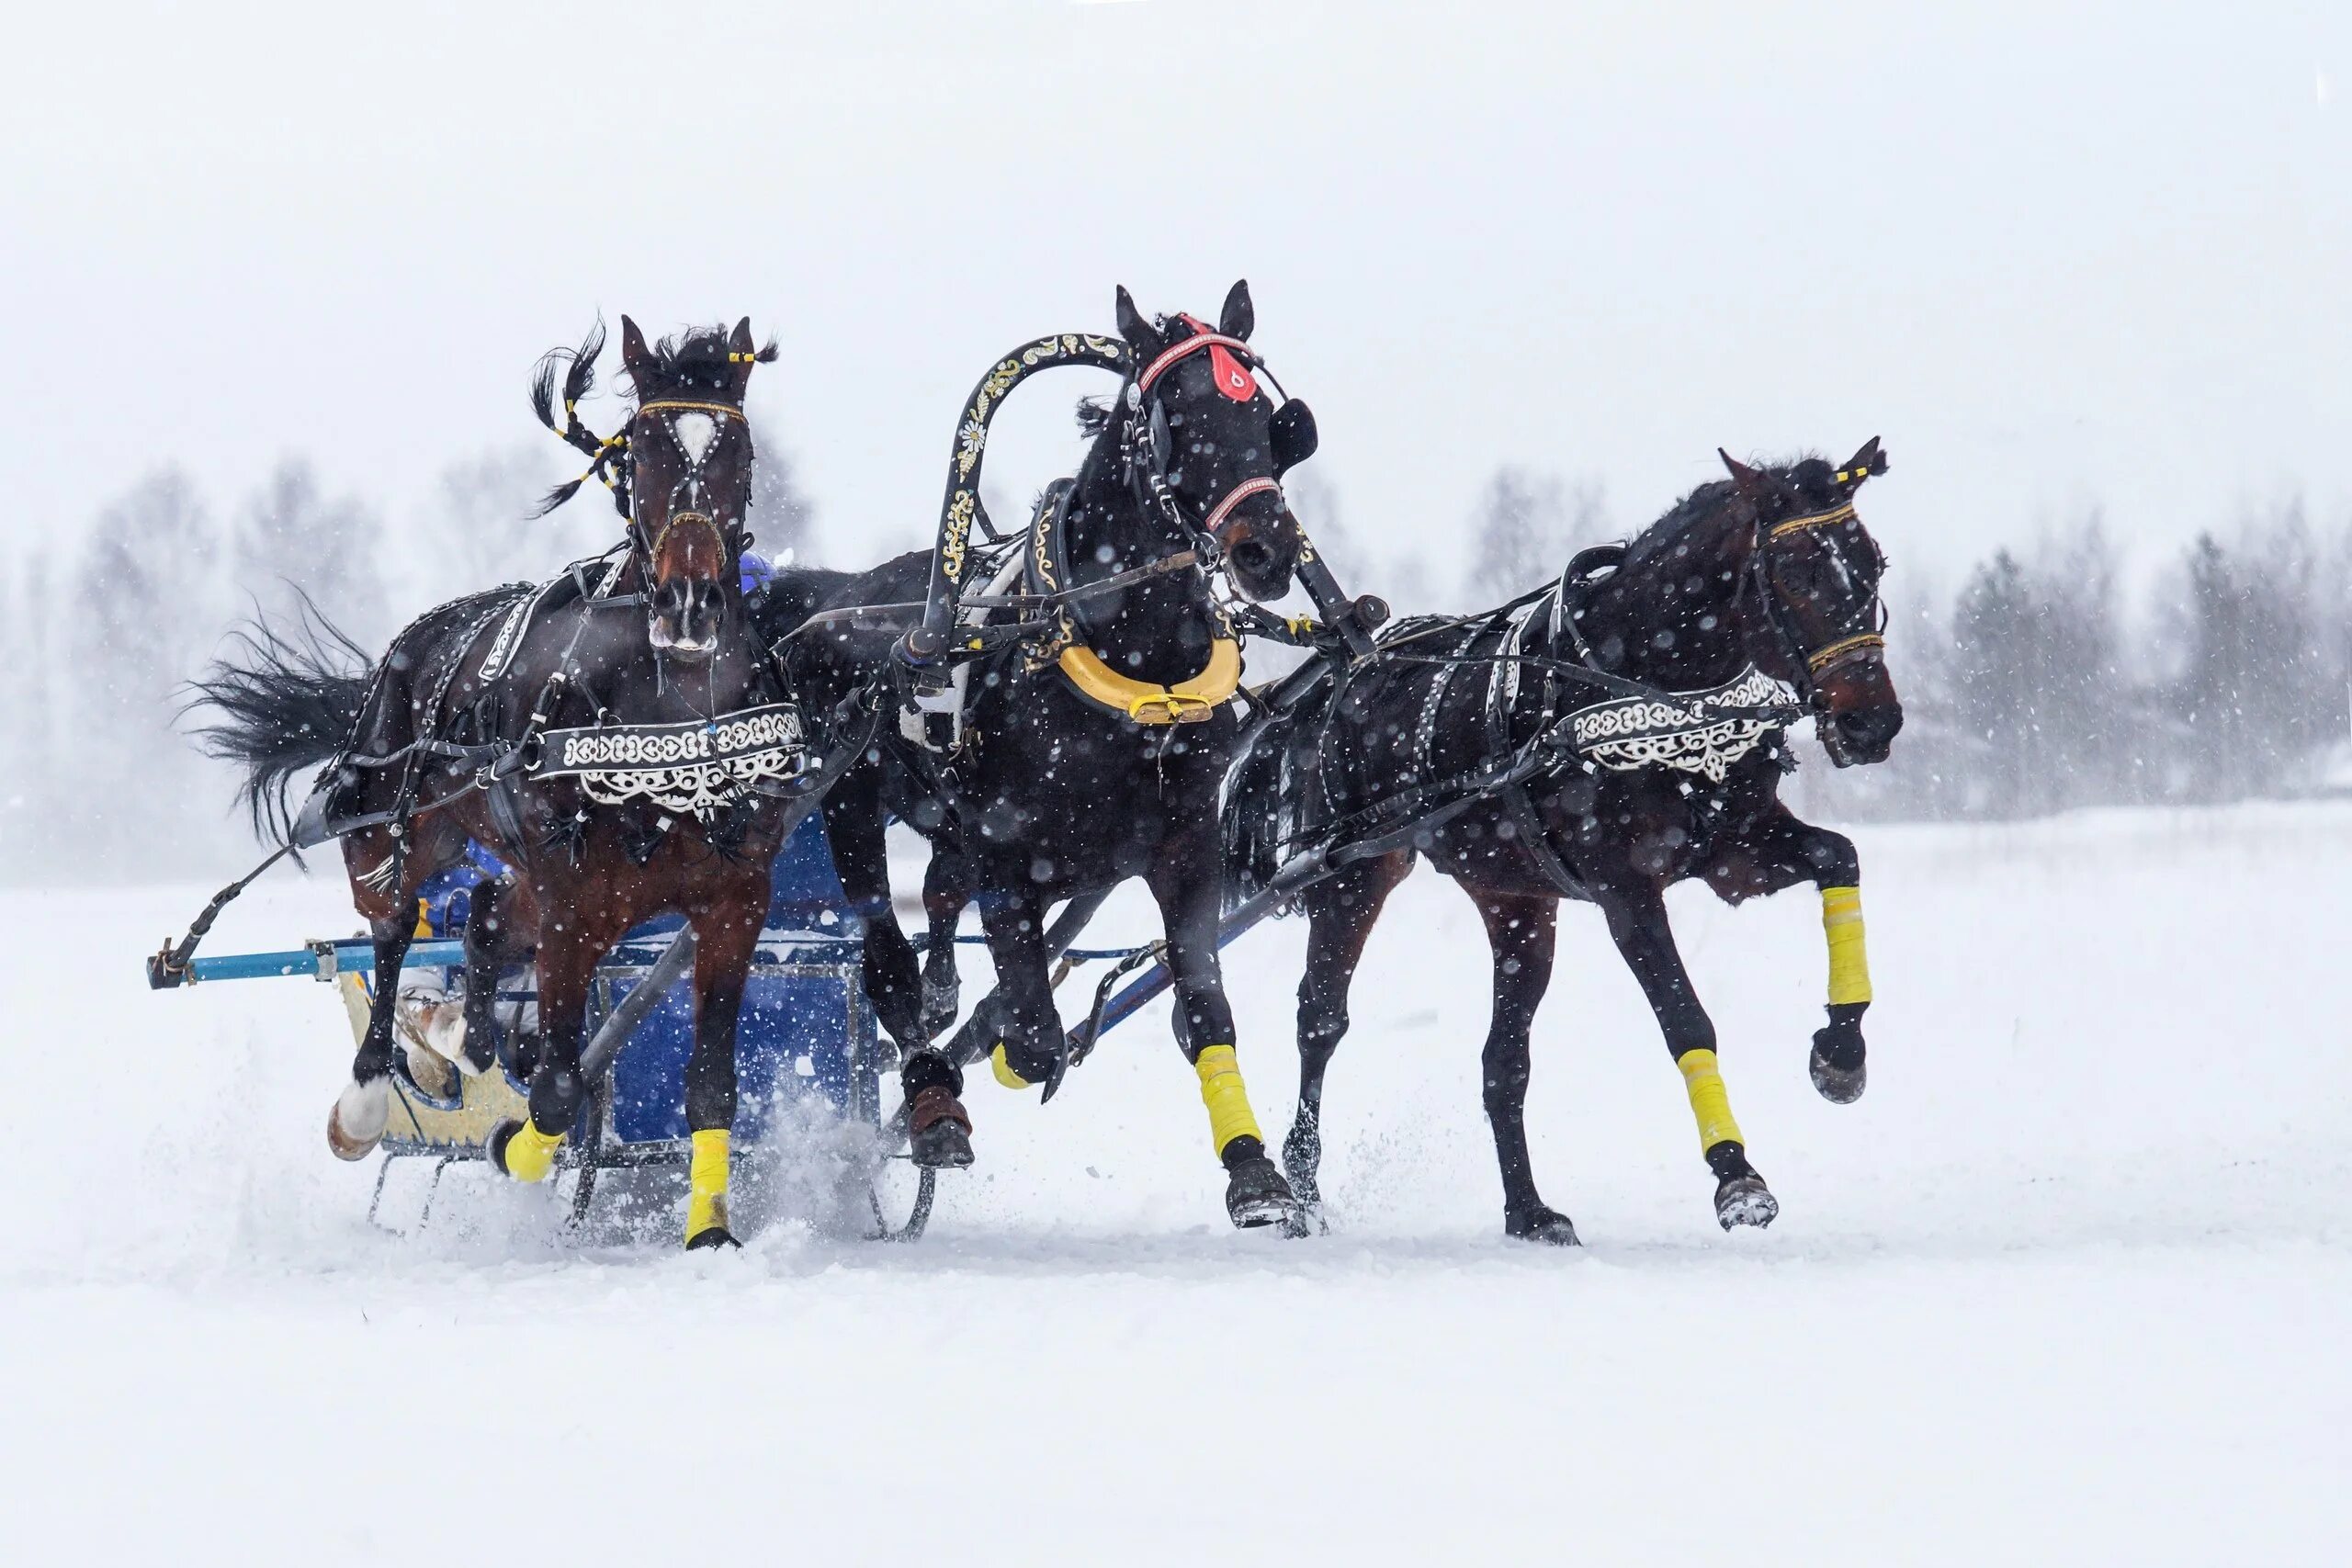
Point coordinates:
pixel 1294 436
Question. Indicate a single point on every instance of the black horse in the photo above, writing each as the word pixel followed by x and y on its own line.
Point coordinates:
pixel 620 738
pixel 1099 754
pixel 1750 594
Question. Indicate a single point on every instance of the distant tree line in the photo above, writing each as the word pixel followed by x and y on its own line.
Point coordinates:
pixel 2041 684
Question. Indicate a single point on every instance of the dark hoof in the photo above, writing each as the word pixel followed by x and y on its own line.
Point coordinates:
pixel 1301 1159
pixel 500 1136
pixel 1541 1223
pixel 943 1145
pixel 1257 1195
pixel 717 1236
pixel 1745 1201
pixel 1839 1086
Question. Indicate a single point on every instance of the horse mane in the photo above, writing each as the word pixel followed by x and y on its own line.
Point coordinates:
pixel 692 363
pixel 1093 416
pixel 1808 474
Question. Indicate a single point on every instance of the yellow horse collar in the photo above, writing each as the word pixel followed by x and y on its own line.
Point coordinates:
pixel 1186 702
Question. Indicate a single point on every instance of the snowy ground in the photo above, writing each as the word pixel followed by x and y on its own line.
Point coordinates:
pixel 2068 1284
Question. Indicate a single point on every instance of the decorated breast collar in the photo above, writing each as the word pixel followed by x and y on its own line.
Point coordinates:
pixel 1627 733
pixel 701 766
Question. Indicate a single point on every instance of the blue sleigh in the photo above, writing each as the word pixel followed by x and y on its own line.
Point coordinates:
pixel 807 1031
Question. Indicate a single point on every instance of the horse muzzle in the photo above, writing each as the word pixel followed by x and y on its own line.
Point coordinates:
pixel 1861 736
pixel 1260 553
pixel 683 619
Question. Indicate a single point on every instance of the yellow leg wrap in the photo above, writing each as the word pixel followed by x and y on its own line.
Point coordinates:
pixel 1709 1103
pixel 1850 964
pixel 1003 1069
pixel 530 1154
pixel 1228 1101
pixel 707 1183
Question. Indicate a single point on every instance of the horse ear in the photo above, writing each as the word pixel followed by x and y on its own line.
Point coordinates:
pixel 1239 318
pixel 1862 465
pixel 742 353
pixel 1750 482
pixel 1135 329
pixel 636 358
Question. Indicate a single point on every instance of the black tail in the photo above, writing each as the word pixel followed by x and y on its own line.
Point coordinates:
pixel 287 701
pixel 1260 818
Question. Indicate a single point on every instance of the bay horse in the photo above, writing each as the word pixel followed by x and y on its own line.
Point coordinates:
pixel 1100 756
pixel 619 738
pixel 1750 593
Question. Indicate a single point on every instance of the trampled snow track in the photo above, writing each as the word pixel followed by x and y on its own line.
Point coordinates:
pixel 2066 1284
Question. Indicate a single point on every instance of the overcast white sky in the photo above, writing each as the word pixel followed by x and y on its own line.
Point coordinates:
pixel 2052 253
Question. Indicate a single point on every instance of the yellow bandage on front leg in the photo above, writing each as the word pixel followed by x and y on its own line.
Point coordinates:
pixel 530 1154
pixel 1709 1103
pixel 1849 963
pixel 1003 1069
pixel 1228 1102
pixel 707 1183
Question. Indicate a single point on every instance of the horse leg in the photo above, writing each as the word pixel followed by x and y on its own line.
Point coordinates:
pixel 1637 923
pixel 854 823
pixel 726 937
pixel 1780 852
pixel 568 954
pixel 1341 912
pixel 1034 1049
pixel 1187 881
pixel 498 933
pixel 364 1110
pixel 939 1131
pixel 946 890
pixel 1520 935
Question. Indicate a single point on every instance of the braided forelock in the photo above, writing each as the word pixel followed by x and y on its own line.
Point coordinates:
pixel 698 362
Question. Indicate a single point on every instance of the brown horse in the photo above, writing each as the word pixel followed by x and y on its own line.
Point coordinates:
pixel 618 738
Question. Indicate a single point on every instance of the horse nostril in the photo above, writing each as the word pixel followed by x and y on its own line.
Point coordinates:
pixel 1254 557
pixel 1871 727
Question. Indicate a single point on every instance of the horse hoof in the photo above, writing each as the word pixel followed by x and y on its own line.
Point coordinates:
pixel 713 1240
pixel 538 1156
pixel 943 1145
pixel 1257 1195
pixel 361 1113
pixel 1745 1201
pixel 1839 1086
pixel 1840 1067
pixel 1540 1224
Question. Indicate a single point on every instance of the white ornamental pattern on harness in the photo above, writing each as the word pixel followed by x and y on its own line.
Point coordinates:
pixel 1644 732
pixel 695 767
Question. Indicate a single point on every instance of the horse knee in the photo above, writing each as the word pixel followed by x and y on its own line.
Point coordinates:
pixel 1833 861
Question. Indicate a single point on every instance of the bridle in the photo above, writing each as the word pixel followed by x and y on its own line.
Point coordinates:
pixel 1146 443
pixel 649 549
pixel 1815 664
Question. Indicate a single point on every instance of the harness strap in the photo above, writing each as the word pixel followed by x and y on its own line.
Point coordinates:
pixel 1177 351
pixel 1502 696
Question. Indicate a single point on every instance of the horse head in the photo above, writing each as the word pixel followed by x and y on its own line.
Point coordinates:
pixel 1207 435
pixel 689 477
pixel 1817 570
